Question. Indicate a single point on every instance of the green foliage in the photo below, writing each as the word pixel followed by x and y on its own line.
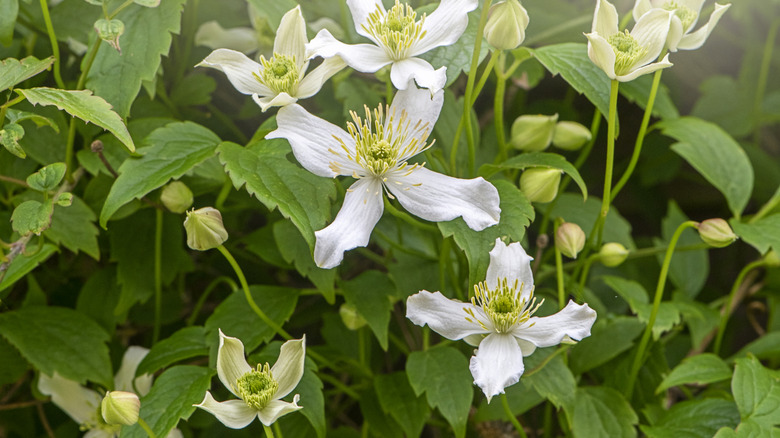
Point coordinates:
pixel 538 159
pixel 701 370
pixel 398 400
pixel 13 71
pixel 602 412
pixel 184 344
pixel 371 294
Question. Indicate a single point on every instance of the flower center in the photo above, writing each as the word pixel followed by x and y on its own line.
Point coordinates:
pixel 504 306
pixel 280 74
pixel 396 29
pixel 257 387
pixel 686 15
pixel 627 51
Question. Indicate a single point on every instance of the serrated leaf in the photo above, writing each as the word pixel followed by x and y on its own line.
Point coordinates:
pixel 700 369
pixel 756 391
pixel 694 419
pixel 32 217
pixel 398 399
pixel 607 340
pixel 85 106
pixel 761 234
pixel 9 138
pixel 537 159
pixel 371 293
pixel 294 249
pixel 23 264
pixel 47 178
pixel 602 412
pixel 184 344
pixel 15 116
pixel 110 31
pixel 13 71
pixel 74 227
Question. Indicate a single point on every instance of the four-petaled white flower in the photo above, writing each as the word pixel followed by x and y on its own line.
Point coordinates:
pixel 398 38
pixel 622 55
pixel 499 319
pixel 259 390
pixel 686 14
pixel 281 80
pixel 375 152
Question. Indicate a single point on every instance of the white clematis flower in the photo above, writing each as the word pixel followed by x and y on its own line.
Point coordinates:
pixel 281 80
pixel 499 319
pixel 375 152
pixel 686 14
pixel 398 37
pixel 259 390
pixel 622 55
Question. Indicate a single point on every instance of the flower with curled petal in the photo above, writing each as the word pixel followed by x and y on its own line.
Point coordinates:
pixel 686 14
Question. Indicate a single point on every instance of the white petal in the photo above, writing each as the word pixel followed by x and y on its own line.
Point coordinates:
pixel 231 363
pixel 640 7
pixel 696 39
pixel 281 99
pixel 123 379
pixel 574 321
pixel 510 262
pixel 605 19
pixel 288 369
pixel 360 10
pixel 497 364
pixel 175 433
pixel 363 206
pixel 601 53
pixel 445 25
pixel 443 315
pixel 436 197
pixel 311 139
pixel 276 409
pixel 527 347
pixel 366 58
pixel 675 34
pixel 313 81
pixel 234 414
pixel 419 105
pixel 649 68
pixel 81 404
pixel 214 36
pixel 99 433
pixel 238 69
pixel 291 36
pixel 650 32
pixel 404 71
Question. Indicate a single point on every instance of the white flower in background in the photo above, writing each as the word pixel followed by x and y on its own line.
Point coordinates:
pixel 499 319
pixel 281 80
pixel 686 14
pixel 398 37
pixel 622 55
pixel 375 152
pixel 259 390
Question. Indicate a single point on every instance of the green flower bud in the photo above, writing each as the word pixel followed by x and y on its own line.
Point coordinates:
pixel 204 229
pixel 120 407
pixel 176 197
pixel 110 31
pixel 350 317
pixel 569 239
pixel 716 233
pixel 570 136
pixel 505 29
pixel 540 184
pixel 533 133
pixel 612 254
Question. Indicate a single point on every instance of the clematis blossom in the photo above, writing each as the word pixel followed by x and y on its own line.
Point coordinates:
pixel 499 320
pixel 398 37
pixel 375 151
pixel 281 80
pixel 686 15
pixel 624 56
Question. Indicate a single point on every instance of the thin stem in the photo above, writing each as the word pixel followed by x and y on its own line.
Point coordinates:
pixel 277 429
pixel 268 432
pixel 470 83
pixel 13 180
pixel 10 103
pixel 72 126
pixel 726 311
pixel 202 300
pixel 763 75
pixel 119 9
pixel 223 194
pixel 498 106
pixel 146 428
pixel 511 417
pixel 408 218
pixel 55 48
pixel 157 275
pixel 605 201
pixel 767 208
pixel 559 269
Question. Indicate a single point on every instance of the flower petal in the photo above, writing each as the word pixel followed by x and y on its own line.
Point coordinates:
pixel 234 414
pixel 238 69
pixel 366 58
pixel 402 72
pixel 214 36
pixel 175 433
pixel 445 25
pixel 601 53
pixel 436 197
pixel 696 39
pixel 640 7
pixel 605 19
pixel 123 379
pixel 574 321
pixel 80 403
pixel 363 206
pixel 419 105
pixel 443 315
pixel 510 262
pixel 312 82
pixel 99 433
pixel 288 369
pixel 649 68
pixel 231 363
pixel 360 10
pixel 497 364
pixel 276 409
pixel 281 99
pixel 650 32
pixel 291 36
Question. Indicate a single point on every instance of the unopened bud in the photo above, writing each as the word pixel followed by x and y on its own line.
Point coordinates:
pixel 110 31
pixel 204 229
pixel 176 197
pixel 716 233
pixel 570 136
pixel 533 133
pixel 540 184
pixel 350 317
pixel 120 407
pixel 569 239
pixel 612 254
pixel 505 29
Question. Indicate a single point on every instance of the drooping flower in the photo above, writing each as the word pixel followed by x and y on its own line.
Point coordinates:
pixel 626 55
pixel 686 15
pixel 281 80
pixel 259 390
pixel 375 151
pixel 398 36
pixel 499 319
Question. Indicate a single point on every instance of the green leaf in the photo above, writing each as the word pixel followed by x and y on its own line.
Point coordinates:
pixel 700 369
pixel 443 374
pixel 294 249
pixel 9 138
pixel 14 365
pixel 15 116
pixel 398 399
pixel 85 106
pixel 371 293
pixel 607 340
pixel 638 90
pixel 571 208
pixel 537 159
pixel 716 155
pixel 13 71
pixel 602 412
pixel 98 298
pixel 32 217
pixel 694 419
pixel 184 344
pixel 47 178
pixel 765 347
pixel 553 381
pixel 756 391
pixel 762 234
pixel 23 264
pixel 379 422
pixel 148 3
pixel 74 227
pixel 8 11
pixel 172 151
pixel 59 339
pixel 668 315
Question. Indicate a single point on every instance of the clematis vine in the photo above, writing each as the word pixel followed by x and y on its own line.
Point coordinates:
pixel 499 320
pixel 624 56
pixel 686 15
pixel 281 80
pixel 259 390
pixel 398 36
pixel 375 151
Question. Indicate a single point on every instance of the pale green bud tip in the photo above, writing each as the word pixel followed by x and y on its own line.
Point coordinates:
pixel 716 233
pixel 176 197
pixel 120 407
pixel 532 133
pixel 613 254
pixel 505 29
pixel 569 239
pixel 350 317
pixel 540 184
pixel 570 136
pixel 204 229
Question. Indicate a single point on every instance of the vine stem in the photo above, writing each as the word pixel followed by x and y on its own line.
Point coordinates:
pixel 498 106
pixel 157 274
pixel 511 417
pixel 559 268
pixel 72 126
pixel 408 218
pixel 726 311
pixel 146 428
pixel 268 432
pixel 55 48
pixel 470 83
pixel 605 201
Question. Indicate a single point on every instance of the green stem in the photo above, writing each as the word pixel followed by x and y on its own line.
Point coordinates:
pixel 559 268
pixel 470 84
pixel 146 428
pixel 268 432
pixel 498 107
pixel 55 48
pixel 202 300
pixel 605 201
pixel 72 126
pixel 511 417
pixel 765 210
pixel 4 108
pixel 726 312
pixel 277 429
pixel 223 194
pixel 763 75
pixel 157 275
pixel 408 218
pixel 119 9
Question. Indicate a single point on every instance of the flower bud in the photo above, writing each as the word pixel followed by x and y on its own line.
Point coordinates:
pixel 204 229
pixel 612 254
pixel 533 133
pixel 350 317
pixel 569 239
pixel 716 233
pixel 110 31
pixel 540 184
pixel 505 29
pixel 120 407
pixel 176 197
pixel 570 136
